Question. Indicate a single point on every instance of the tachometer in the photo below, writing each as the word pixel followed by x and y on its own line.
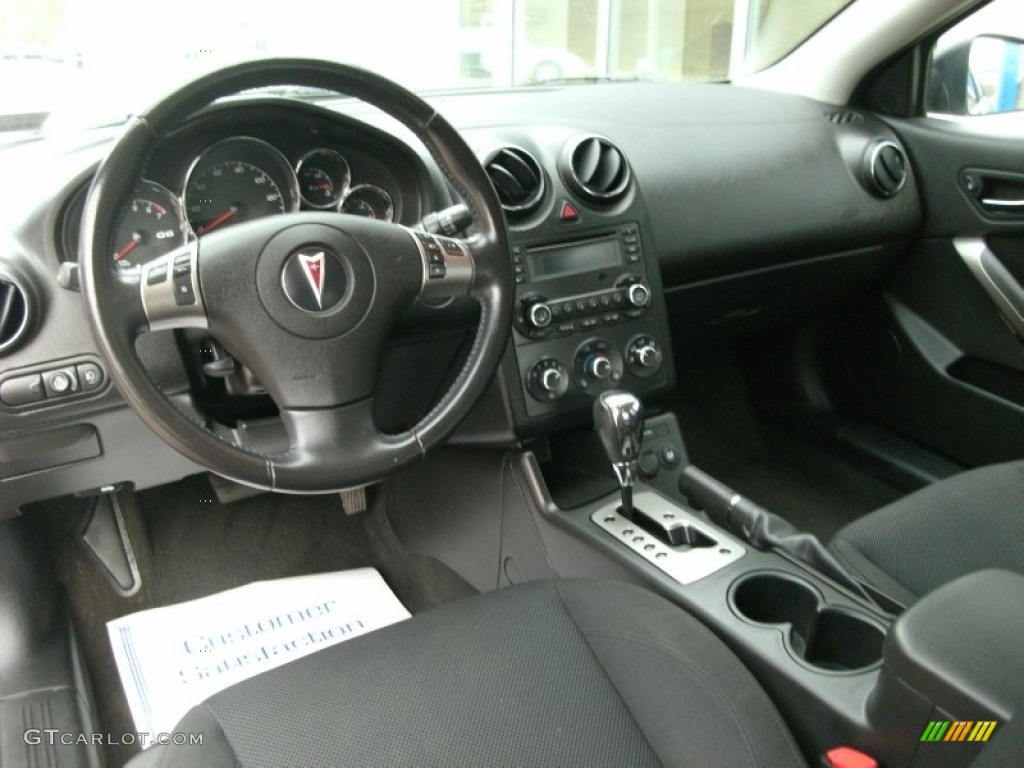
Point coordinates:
pixel 323 178
pixel 237 180
pixel 150 226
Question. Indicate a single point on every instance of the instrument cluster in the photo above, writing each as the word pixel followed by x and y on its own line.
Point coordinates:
pixel 233 180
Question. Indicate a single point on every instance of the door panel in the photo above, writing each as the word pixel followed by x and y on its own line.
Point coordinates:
pixel 938 356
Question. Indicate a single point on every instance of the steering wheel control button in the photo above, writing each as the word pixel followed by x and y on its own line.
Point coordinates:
pixel 22 390
pixel 448 265
pixel 170 296
pixel 156 275
pixel 90 375
pixel 314 280
pixel 184 293
pixel 61 382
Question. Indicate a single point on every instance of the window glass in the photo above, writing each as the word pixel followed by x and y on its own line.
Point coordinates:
pixel 977 66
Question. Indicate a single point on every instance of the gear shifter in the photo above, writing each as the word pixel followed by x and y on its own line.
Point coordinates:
pixel 619 422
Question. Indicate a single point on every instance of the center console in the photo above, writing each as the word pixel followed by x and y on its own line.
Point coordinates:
pixel 589 317
pixel 842 670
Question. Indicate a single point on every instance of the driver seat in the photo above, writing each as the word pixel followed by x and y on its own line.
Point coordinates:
pixel 547 674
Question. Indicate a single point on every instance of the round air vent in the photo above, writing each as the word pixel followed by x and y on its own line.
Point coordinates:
pixel 517 178
pixel 15 313
pixel 596 170
pixel 886 169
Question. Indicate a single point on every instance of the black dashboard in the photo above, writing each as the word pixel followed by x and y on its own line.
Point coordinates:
pixel 642 216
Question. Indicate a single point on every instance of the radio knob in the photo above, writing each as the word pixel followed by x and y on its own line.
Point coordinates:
pixel 639 295
pixel 540 315
pixel 599 367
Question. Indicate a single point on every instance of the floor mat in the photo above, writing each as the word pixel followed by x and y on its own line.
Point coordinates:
pixel 188 545
pixel 814 489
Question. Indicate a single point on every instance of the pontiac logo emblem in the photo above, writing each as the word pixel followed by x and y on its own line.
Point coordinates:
pixel 314 279
pixel 314 266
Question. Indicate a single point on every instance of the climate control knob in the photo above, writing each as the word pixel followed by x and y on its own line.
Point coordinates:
pixel 598 366
pixel 548 380
pixel 644 356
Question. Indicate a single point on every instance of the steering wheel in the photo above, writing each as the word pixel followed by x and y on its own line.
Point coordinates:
pixel 306 300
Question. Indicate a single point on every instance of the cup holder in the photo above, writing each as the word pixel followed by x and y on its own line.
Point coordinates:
pixel 825 637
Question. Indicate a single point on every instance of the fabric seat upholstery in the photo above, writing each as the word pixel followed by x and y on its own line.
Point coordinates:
pixel 548 674
pixel 965 523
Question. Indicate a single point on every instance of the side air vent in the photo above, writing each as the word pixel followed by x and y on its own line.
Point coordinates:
pixel 844 116
pixel 517 178
pixel 15 312
pixel 886 169
pixel 596 170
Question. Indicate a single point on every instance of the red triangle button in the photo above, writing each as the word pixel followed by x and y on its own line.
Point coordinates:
pixel 568 212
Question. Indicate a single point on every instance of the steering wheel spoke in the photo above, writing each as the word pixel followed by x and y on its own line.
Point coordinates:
pixel 342 443
pixel 170 292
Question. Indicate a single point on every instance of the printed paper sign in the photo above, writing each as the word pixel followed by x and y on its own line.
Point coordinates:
pixel 172 658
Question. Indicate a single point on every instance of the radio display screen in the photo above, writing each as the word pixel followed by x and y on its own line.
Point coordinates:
pixel 584 256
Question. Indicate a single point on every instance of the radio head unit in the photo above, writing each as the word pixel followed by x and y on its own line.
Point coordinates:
pixel 586 319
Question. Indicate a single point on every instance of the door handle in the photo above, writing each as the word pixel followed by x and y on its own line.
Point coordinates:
pixel 999 194
pixel 997 281
pixel 995 202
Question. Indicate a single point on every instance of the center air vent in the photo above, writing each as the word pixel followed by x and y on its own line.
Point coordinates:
pixel 14 314
pixel 596 169
pixel 517 178
pixel 886 169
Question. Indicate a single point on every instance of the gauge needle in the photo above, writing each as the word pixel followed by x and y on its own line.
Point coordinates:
pixel 219 220
pixel 130 246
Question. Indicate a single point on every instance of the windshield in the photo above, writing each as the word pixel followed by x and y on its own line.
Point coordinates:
pixel 103 59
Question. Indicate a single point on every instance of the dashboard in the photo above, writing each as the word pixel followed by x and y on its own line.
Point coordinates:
pixel 642 218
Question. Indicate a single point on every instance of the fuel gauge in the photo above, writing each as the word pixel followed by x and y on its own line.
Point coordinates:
pixel 150 225
pixel 323 178
pixel 370 201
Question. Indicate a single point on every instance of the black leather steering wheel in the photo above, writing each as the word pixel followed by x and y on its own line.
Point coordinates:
pixel 306 300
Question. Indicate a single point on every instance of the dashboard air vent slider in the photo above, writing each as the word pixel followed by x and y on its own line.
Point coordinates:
pixel 517 178
pixel 843 116
pixel 14 313
pixel 886 169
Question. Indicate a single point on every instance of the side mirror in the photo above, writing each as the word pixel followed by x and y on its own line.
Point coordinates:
pixel 977 77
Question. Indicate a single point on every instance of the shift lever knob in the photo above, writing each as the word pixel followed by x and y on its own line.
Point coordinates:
pixel 619 422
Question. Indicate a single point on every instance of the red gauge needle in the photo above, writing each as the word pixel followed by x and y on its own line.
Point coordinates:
pixel 218 221
pixel 130 246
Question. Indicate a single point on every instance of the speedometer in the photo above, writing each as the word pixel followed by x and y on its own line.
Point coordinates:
pixel 238 180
